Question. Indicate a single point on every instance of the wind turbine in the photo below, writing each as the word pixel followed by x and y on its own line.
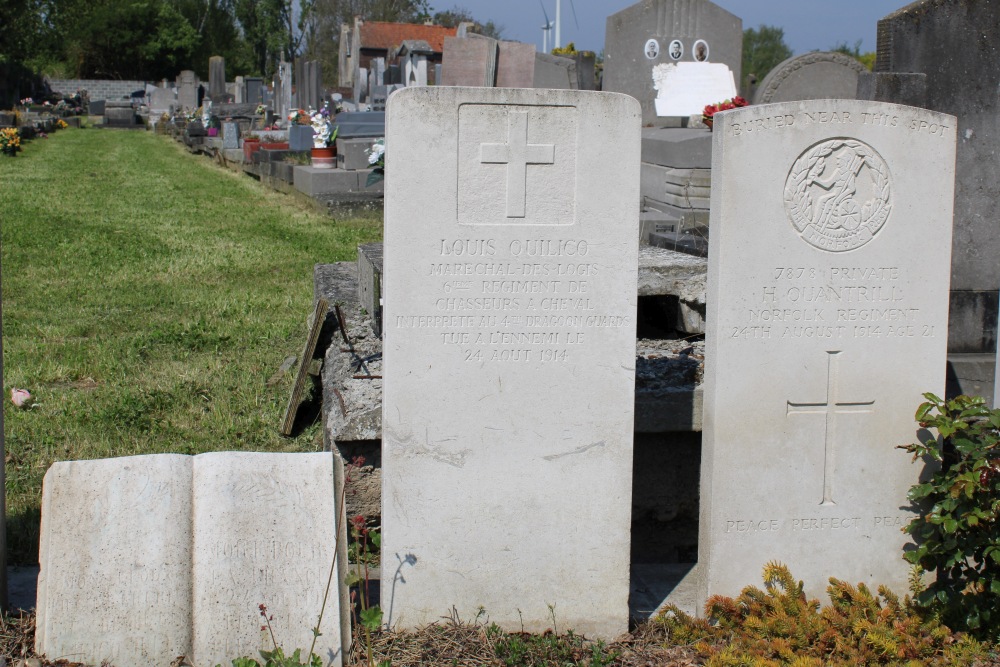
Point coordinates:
pixel 559 21
pixel 545 28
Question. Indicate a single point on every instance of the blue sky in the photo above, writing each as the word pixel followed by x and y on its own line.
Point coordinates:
pixel 809 24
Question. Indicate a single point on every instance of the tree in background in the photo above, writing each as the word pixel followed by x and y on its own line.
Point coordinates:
pixel 214 21
pixel 763 48
pixel 154 39
pixel 269 28
pixel 107 39
pixel 866 59
pixel 24 38
pixel 452 17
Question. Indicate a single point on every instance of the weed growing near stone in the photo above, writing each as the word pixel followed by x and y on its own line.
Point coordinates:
pixel 957 534
pixel 780 626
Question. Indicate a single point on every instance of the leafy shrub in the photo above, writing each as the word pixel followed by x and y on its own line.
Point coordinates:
pixel 780 626
pixel 957 534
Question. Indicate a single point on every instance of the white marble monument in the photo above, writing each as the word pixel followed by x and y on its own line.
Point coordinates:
pixel 827 319
pixel 509 345
pixel 147 558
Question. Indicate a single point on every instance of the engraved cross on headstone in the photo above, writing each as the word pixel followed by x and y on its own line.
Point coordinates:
pixel 517 154
pixel 830 407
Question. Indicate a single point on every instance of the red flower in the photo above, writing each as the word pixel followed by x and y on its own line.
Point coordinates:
pixel 740 102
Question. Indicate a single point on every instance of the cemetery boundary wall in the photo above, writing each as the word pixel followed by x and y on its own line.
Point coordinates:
pixel 98 89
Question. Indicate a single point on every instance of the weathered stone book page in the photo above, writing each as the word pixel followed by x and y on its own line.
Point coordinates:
pixel 115 557
pixel 147 558
pixel 264 533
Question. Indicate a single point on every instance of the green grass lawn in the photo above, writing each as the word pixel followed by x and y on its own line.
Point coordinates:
pixel 148 295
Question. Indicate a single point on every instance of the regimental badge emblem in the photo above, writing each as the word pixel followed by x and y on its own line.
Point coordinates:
pixel 838 194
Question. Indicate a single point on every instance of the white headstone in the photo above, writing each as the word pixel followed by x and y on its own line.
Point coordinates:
pixel 147 558
pixel 827 319
pixel 415 70
pixel 684 89
pixel 285 101
pixel 509 356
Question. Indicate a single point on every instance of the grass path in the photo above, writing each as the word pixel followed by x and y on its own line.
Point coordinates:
pixel 148 295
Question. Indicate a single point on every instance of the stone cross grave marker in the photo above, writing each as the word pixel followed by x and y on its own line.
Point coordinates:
pixel 145 558
pixel 828 308
pixel 509 310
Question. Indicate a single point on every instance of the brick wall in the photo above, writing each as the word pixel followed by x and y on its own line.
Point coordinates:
pixel 98 89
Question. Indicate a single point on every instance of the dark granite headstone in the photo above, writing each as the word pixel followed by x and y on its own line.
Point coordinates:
pixel 300 137
pixel 255 87
pixel 361 124
pixel 96 108
pixel 954 44
pixel 217 78
pixel 639 37
pixel 223 111
pixel 195 129
pixel 8 119
pixel 393 75
pixel 909 88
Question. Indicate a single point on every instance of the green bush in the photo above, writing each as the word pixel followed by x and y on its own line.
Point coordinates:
pixel 957 534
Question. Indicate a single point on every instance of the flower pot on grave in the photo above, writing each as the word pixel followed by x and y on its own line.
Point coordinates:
pixel 708 122
pixel 323 158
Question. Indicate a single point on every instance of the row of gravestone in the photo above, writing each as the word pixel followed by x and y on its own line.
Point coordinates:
pixel 188 93
pixel 509 367
pixel 472 60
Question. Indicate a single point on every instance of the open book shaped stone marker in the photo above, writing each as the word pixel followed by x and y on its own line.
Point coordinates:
pixel 147 558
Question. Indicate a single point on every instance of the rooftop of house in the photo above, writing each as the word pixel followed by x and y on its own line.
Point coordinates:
pixel 381 35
